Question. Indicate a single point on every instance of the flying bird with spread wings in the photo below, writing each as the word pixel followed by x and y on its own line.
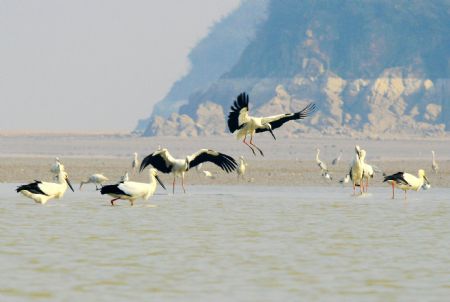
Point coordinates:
pixel 239 120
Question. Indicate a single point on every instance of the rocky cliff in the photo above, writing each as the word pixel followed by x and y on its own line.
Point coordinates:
pixel 375 68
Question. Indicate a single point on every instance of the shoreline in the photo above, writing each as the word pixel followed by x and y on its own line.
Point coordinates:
pixel 287 161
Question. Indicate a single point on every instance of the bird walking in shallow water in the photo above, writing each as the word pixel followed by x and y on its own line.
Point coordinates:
pixel 41 191
pixel 97 179
pixel 131 190
pixel 434 164
pixel 239 120
pixel 406 181
pixel 323 167
pixel 166 163
pixel 135 162
pixel 357 169
pixel 242 167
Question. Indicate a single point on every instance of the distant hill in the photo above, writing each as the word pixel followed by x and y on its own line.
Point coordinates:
pixel 213 56
pixel 374 67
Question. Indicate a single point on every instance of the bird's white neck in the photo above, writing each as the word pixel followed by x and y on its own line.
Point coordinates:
pixel 317 155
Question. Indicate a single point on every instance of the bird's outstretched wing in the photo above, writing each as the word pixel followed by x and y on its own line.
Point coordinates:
pixel 32 188
pixel 239 112
pixel 225 162
pixel 277 121
pixel 161 160
pixel 397 177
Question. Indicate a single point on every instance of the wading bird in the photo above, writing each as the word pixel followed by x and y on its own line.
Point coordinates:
pixel 135 162
pixel 323 167
pixel 57 166
pixel 242 167
pixel 131 190
pixel 97 179
pixel 357 169
pixel 406 181
pixel 434 165
pixel 239 120
pixel 367 174
pixel 337 159
pixel 124 177
pixel 166 163
pixel 41 191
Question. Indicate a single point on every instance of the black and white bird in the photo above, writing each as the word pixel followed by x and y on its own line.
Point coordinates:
pixel 239 120
pixel 166 163
pixel 41 191
pixel 131 190
pixel 406 181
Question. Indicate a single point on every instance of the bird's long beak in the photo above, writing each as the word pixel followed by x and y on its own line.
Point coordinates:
pixel 426 179
pixel 160 182
pixel 70 185
pixel 271 132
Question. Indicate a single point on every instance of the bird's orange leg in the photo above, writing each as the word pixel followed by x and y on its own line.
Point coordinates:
pixel 251 143
pixel 112 201
pixel 393 190
pixel 245 137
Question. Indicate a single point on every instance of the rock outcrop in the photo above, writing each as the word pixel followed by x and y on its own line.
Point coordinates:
pixel 374 69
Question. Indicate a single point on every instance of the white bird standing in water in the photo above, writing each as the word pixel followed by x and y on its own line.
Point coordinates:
pixel 323 167
pixel 239 120
pixel 434 165
pixel 166 163
pixel 356 170
pixel 135 162
pixel 242 167
pixel 97 179
pixel 406 181
pixel 131 190
pixel 41 192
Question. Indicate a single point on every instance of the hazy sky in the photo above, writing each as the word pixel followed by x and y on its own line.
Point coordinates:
pixel 92 65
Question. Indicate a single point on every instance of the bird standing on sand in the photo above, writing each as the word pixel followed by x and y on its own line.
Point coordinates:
pixel 41 192
pixel 135 162
pixel 97 179
pixel 166 163
pixel 434 165
pixel 131 190
pixel 406 181
pixel 239 120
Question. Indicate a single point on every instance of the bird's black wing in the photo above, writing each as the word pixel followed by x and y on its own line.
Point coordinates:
pixel 225 162
pixel 397 177
pixel 233 117
pixel 32 188
pixel 112 189
pixel 156 160
pixel 307 111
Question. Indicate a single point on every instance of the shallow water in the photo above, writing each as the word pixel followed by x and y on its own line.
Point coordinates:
pixel 235 243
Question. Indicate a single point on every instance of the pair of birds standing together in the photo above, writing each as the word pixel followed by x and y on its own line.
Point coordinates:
pixel 361 171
